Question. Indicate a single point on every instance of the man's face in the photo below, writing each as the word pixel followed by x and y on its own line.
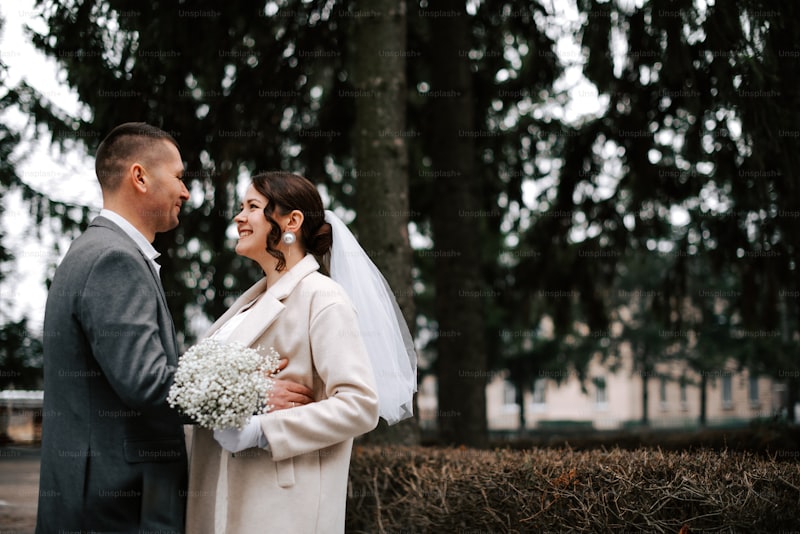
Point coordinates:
pixel 166 191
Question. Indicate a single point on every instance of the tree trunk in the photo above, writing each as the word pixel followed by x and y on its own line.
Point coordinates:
pixel 703 400
pixel 382 160
pixel 786 337
pixel 456 220
pixel 519 397
pixel 791 399
pixel 645 399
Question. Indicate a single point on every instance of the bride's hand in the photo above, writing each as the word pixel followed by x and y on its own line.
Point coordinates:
pixel 285 393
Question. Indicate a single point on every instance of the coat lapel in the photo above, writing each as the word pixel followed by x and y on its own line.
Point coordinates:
pixel 269 305
pixel 246 297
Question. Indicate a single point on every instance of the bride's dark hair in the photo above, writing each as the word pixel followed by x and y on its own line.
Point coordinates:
pixel 286 192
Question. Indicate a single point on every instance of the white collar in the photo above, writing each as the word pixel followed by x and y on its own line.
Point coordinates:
pixel 141 241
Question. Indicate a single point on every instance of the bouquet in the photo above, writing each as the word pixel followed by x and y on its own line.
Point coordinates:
pixel 220 385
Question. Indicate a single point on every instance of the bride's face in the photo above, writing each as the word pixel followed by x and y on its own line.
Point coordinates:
pixel 252 226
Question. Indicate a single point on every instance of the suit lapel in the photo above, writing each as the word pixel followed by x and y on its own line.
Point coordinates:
pixel 157 279
pixel 105 223
pixel 163 298
pixel 268 307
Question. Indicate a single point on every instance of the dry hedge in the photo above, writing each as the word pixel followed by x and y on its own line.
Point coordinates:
pixel 417 489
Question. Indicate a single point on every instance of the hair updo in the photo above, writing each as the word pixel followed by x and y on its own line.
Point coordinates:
pixel 124 145
pixel 286 192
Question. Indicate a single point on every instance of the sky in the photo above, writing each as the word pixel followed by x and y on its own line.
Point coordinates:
pixel 66 177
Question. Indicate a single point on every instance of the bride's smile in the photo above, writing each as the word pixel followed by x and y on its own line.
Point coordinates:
pixel 253 227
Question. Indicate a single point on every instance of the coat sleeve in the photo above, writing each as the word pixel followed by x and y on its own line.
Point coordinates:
pixel 119 312
pixel 351 406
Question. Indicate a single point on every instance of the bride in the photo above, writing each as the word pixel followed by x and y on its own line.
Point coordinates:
pixel 286 471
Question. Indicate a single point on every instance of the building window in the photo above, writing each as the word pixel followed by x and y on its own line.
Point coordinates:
pixel 539 389
pixel 429 388
pixel 600 393
pixel 727 392
pixel 662 392
pixel 509 396
pixel 752 392
pixel 684 396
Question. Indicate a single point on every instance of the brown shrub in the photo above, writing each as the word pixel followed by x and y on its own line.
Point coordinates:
pixel 416 489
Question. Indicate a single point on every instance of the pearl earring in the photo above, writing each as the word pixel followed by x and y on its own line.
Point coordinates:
pixel 288 238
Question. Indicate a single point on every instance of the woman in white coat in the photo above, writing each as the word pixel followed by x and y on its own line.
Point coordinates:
pixel 286 471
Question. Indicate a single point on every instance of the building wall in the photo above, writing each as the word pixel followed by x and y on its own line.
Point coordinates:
pixel 21 416
pixel 566 399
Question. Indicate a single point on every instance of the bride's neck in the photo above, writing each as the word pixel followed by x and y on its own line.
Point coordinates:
pixel 291 258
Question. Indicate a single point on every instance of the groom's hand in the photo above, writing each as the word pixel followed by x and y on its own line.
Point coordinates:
pixel 287 394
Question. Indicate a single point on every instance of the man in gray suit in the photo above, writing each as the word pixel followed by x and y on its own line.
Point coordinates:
pixel 113 452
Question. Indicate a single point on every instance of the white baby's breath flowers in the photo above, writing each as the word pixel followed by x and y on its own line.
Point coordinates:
pixel 220 385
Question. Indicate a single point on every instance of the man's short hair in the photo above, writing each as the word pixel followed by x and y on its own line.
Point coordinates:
pixel 122 146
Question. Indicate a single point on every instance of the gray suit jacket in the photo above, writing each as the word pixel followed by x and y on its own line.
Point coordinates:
pixel 113 451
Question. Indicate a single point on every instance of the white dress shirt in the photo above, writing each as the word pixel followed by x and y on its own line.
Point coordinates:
pixel 141 241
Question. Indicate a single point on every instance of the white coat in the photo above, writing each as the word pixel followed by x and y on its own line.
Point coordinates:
pixel 298 485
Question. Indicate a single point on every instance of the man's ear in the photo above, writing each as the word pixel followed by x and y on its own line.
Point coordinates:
pixel 136 175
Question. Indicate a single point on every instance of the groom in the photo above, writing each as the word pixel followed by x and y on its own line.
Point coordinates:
pixel 113 452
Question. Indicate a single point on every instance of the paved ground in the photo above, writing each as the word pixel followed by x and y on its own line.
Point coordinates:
pixel 19 489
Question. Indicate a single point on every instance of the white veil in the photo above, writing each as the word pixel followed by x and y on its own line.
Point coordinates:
pixel 383 328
